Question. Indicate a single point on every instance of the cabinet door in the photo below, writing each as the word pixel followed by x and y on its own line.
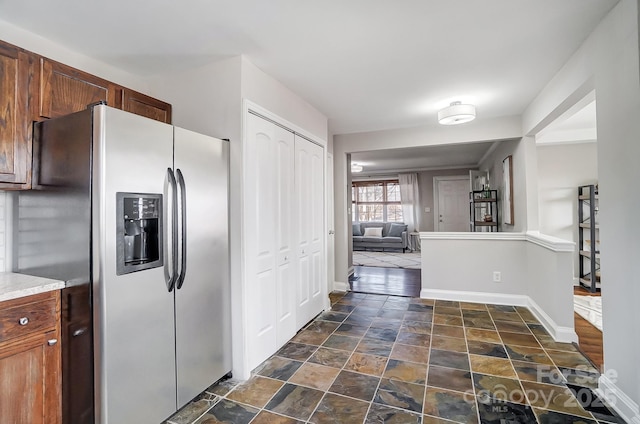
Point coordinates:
pixel 65 90
pixel 146 106
pixel 77 355
pixel 15 140
pixel 29 387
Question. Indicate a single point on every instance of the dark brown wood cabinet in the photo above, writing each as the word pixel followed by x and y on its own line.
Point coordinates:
pixel 34 88
pixel 143 105
pixel 30 360
pixel 77 355
pixel 15 130
pixel 65 90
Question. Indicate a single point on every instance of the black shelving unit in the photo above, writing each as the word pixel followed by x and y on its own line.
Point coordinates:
pixel 483 211
pixel 588 244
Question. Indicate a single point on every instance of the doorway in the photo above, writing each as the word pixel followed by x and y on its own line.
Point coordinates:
pixel 566 158
pixel 389 281
pixel 451 203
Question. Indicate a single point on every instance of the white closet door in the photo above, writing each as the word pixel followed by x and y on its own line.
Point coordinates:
pixel 286 259
pixel 309 172
pixel 270 301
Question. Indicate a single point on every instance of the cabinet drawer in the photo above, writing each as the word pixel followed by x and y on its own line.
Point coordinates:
pixel 33 315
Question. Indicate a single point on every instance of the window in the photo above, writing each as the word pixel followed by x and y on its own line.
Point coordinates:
pixel 376 201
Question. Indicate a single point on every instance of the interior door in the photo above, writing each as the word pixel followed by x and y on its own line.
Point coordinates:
pixel 309 171
pixel 269 228
pixel 203 298
pixel 453 205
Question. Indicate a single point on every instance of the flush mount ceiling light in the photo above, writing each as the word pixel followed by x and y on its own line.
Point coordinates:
pixel 457 113
pixel 356 168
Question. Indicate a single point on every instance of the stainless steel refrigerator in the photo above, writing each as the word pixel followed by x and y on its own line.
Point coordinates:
pixel 137 211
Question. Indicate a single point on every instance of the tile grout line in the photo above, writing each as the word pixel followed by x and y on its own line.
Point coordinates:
pixel 373 320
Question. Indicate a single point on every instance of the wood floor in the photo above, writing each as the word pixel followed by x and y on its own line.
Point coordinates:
pixel 389 281
pixel 590 338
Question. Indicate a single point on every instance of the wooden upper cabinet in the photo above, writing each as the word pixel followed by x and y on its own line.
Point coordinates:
pixel 15 129
pixel 33 88
pixel 143 105
pixel 65 90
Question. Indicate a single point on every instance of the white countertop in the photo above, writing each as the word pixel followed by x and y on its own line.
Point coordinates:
pixel 13 285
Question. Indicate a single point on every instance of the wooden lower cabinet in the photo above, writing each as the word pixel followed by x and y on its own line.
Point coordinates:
pixel 77 356
pixel 30 371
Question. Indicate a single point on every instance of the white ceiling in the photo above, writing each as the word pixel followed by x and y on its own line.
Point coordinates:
pixel 421 158
pixel 577 125
pixel 365 64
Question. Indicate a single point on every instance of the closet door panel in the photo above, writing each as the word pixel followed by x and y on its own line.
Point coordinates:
pixel 260 249
pixel 310 212
pixel 317 228
pixel 285 230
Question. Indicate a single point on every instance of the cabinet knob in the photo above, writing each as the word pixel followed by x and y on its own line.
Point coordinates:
pixel 51 342
pixel 23 321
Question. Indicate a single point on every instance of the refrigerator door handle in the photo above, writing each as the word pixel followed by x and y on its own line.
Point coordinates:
pixel 171 264
pixel 182 229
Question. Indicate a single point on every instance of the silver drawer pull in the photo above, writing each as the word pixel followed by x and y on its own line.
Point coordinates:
pixel 51 342
pixel 23 321
pixel 79 332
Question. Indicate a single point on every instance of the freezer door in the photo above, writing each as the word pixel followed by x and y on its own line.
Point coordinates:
pixel 133 313
pixel 203 316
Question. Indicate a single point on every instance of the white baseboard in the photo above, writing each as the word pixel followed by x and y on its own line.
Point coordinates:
pixel 618 400
pixel 477 297
pixel 559 333
pixel 340 286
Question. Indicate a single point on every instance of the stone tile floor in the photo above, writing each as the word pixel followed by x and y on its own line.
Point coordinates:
pixel 388 359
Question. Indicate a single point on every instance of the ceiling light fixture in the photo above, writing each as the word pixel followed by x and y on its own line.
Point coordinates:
pixel 356 168
pixel 457 113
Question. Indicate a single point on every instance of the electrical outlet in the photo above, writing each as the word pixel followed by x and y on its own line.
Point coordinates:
pixel 497 276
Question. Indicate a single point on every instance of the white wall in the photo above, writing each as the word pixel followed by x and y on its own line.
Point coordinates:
pixel 205 99
pixel 271 94
pixel 562 168
pixel 608 61
pixel 428 135
pixel 532 268
pixel 209 100
pixel 47 48
pixel 493 164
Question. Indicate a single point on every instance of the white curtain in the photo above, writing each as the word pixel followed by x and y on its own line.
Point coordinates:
pixel 410 198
